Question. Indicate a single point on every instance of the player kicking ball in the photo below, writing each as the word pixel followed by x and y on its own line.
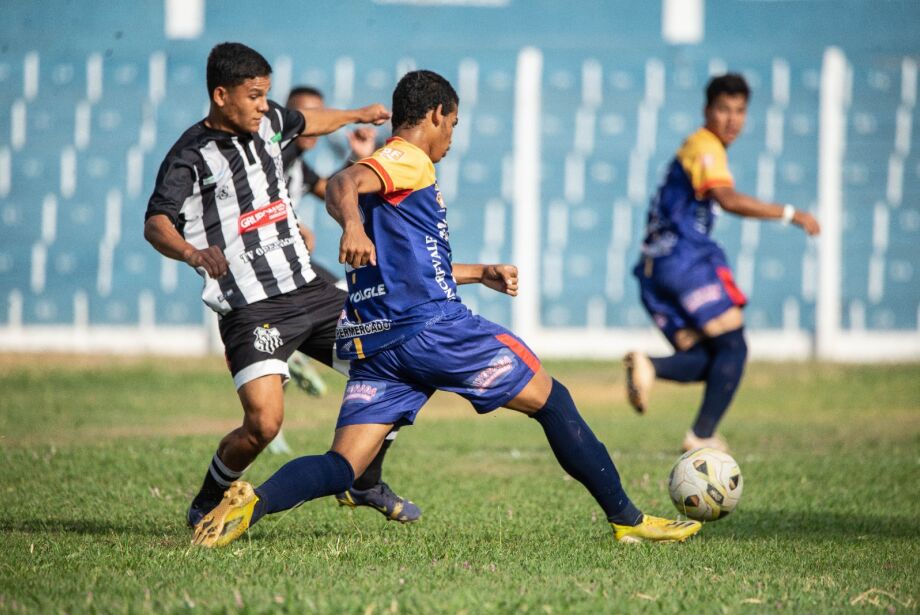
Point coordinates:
pixel 407 334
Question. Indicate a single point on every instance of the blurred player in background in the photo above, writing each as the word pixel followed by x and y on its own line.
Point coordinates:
pixel 407 334
pixel 684 278
pixel 301 181
pixel 220 204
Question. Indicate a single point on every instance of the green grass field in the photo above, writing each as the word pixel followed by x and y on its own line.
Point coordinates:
pixel 101 456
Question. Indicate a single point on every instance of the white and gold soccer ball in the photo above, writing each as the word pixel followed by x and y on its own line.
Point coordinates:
pixel 705 484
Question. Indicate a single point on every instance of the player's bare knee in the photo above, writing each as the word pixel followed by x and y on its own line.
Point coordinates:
pixel 533 397
pixel 728 320
pixel 262 430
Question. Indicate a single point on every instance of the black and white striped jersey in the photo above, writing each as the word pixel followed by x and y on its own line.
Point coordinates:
pixel 227 190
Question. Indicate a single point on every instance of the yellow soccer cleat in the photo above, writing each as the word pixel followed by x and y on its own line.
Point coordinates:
pixel 640 376
pixel 656 529
pixel 229 519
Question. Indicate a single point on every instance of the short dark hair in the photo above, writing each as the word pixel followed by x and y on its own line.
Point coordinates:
pixel 230 64
pixel 305 90
pixel 729 83
pixel 417 93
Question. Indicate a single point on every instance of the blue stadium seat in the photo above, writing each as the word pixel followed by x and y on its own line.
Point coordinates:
pixel 49 124
pixel 10 82
pixel 47 308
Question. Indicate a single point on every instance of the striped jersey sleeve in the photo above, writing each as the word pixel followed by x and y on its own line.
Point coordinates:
pixel 174 184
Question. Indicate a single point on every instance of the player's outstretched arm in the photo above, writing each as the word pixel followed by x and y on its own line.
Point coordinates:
pixel 503 278
pixel 741 204
pixel 342 190
pixel 323 120
pixel 162 235
pixel 362 142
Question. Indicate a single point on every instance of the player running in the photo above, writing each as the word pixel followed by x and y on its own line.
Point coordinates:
pixel 407 334
pixel 684 279
pixel 220 204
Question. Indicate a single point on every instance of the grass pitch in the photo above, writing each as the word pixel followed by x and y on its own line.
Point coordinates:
pixel 101 457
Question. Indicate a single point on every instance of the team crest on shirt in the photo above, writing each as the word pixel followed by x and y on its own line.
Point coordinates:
pixel 438 197
pixel 268 339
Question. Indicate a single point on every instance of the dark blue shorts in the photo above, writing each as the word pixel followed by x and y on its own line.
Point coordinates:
pixel 680 295
pixel 462 353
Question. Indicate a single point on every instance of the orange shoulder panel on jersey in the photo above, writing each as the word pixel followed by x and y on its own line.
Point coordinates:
pixel 402 167
pixel 704 159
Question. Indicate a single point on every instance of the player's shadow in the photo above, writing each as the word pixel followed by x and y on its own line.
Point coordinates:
pixel 813 525
pixel 96 527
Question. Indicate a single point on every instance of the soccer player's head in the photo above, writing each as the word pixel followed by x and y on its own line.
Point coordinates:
pixel 238 82
pixel 424 99
pixel 726 106
pixel 301 98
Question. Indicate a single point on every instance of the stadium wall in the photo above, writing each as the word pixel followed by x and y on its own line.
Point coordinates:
pixel 854 295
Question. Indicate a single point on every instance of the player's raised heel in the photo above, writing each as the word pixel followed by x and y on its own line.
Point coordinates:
pixel 692 442
pixel 229 519
pixel 382 499
pixel 640 375
pixel 656 529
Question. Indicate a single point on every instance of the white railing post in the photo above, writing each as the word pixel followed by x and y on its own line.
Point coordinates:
pixel 831 146
pixel 526 207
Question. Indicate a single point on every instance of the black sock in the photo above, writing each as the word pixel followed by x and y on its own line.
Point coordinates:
pixel 583 456
pixel 729 352
pixel 684 366
pixel 374 470
pixel 217 479
pixel 301 480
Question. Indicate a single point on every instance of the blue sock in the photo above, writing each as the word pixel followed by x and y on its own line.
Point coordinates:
pixel 301 480
pixel 583 456
pixel 684 366
pixel 729 352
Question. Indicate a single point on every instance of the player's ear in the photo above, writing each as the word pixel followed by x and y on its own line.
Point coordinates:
pixel 437 115
pixel 219 96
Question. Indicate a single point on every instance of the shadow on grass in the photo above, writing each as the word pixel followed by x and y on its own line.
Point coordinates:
pixel 815 525
pixel 93 527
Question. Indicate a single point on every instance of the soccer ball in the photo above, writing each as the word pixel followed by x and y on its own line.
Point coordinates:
pixel 705 484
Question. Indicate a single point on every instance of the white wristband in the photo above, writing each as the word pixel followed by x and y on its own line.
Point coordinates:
pixel 788 214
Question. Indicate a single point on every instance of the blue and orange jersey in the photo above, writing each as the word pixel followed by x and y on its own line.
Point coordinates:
pixel 412 282
pixel 681 217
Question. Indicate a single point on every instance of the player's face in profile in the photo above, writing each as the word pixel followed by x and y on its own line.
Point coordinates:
pixel 725 117
pixel 445 133
pixel 304 102
pixel 244 105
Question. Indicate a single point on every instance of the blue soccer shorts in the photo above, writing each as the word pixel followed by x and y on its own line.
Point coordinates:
pixel 462 353
pixel 678 295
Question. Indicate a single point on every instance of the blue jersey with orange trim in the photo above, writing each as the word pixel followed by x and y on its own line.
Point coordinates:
pixel 407 221
pixel 681 217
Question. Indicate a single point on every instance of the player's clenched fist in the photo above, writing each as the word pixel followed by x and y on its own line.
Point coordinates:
pixel 807 222
pixel 375 114
pixel 355 248
pixel 211 259
pixel 503 278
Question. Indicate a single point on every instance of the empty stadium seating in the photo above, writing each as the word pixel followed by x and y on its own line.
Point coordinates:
pixel 84 125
